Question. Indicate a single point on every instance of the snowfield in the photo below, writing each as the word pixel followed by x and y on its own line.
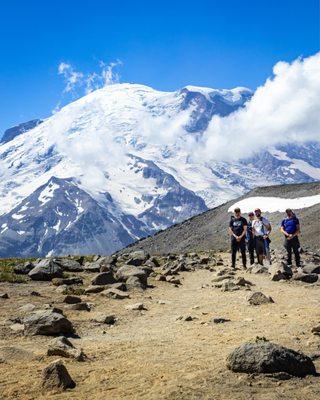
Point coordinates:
pixel 274 204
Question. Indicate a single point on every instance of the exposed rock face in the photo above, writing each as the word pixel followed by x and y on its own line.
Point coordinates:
pixel 47 322
pixel 46 270
pixel 267 357
pixel 56 376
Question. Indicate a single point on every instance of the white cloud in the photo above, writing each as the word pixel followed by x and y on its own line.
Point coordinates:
pixel 72 78
pixel 285 109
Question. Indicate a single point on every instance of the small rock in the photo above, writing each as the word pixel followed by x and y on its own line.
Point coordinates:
pixel 56 376
pixel 137 258
pixel 67 281
pixel 46 270
pixel 173 280
pixel 229 286
pixel 220 320
pixel 47 322
pixel 306 278
pixel 4 296
pixel 258 298
pixel 34 293
pixel 277 276
pixel 101 318
pixel 137 306
pixel 68 264
pixel 62 347
pixel 94 289
pixel 316 330
pixel 311 269
pixel 160 278
pixel 240 281
pixel 104 278
pixel 69 299
pixel 79 307
pixel 115 294
pixel 23 269
pixel 27 307
pixel 133 282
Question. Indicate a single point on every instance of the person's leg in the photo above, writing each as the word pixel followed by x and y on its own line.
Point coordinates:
pixel 259 250
pixel 251 251
pixel 295 247
pixel 288 247
pixel 242 246
pixel 234 248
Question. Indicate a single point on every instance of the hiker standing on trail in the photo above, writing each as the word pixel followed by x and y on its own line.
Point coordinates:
pixel 249 238
pixel 261 229
pixel 237 230
pixel 290 227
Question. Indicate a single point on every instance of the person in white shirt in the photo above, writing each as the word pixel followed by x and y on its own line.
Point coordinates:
pixel 261 229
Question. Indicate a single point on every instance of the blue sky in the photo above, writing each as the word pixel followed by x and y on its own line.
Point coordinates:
pixel 164 44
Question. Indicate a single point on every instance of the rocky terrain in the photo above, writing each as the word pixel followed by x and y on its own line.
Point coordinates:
pixel 176 326
pixel 208 231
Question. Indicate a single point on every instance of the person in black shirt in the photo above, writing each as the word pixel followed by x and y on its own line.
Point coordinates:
pixel 237 230
pixel 250 238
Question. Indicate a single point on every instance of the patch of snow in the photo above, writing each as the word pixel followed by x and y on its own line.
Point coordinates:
pixel 274 204
pixel 17 216
pixel 47 193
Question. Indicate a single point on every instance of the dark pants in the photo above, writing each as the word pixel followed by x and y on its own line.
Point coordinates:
pixel 292 245
pixel 259 246
pixel 235 246
pixel 250 245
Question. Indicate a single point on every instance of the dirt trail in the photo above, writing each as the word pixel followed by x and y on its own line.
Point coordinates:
pixel 152 355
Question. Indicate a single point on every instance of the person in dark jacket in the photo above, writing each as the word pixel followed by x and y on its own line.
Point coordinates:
pixel 290 227
pixel 237 230
pixel 249 238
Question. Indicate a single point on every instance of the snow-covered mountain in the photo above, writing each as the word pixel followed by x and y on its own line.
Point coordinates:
pixel 105 170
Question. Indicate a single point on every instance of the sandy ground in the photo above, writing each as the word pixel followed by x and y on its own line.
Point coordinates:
pixel 152 355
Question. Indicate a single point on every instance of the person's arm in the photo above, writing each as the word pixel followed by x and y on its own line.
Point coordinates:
pixel 245 227
pixel 297 232
pixel 282 230
pixel 231 232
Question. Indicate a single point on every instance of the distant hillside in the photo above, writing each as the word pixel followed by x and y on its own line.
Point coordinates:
pixel 209 229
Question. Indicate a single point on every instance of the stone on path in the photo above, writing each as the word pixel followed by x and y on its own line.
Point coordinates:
pixel 56 376
pixel 62 347
pixel 115 294
pixel 137 306
pixel 258 298
pixel 79 307
pixel 267 357
pixel 102 318
pixel 47 322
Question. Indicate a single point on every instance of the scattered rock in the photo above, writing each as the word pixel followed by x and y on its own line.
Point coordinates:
pixel 240 281
pixel 35 293
pixel 258 298
pixel 67 281
pixel 127 271
pixel 160 278
pixel 316 330
pixel 267 357
pixel 47 322
pixel 27 307
pixel 133 282
pixel 229 286
pixel 137 258
pixel 115 294
pixel 62 347
pixel 306 278
pixel 258 269
pixel 79 307
pixel 69 299
pixel 46 270
pixel 104 278
pixel 56 376
pixel 173 280
pixel 4 296
pixel 68 264
pixel 311 269
pixel 220 320
pixel 277 276
pixel 23 269
pixel 137 306
pixel 102 318
pixel 94 289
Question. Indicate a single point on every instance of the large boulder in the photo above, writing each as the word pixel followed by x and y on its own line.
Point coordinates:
pixel 68 264
pixel 47 322
pixel 127 271
pixel 56 376
pixel 268 357
pixel 46 270
pixel 104 278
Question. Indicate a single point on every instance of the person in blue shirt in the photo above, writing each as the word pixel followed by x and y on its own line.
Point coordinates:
pixel 290 227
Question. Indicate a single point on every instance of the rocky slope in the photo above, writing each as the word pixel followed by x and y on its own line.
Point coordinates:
pixel 173 327
pixel 208 231
pixel 128 150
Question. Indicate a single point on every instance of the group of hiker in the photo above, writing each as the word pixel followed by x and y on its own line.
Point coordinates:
pixel 253 235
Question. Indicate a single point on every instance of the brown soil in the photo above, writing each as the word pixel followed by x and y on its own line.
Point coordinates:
pixel 152 355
